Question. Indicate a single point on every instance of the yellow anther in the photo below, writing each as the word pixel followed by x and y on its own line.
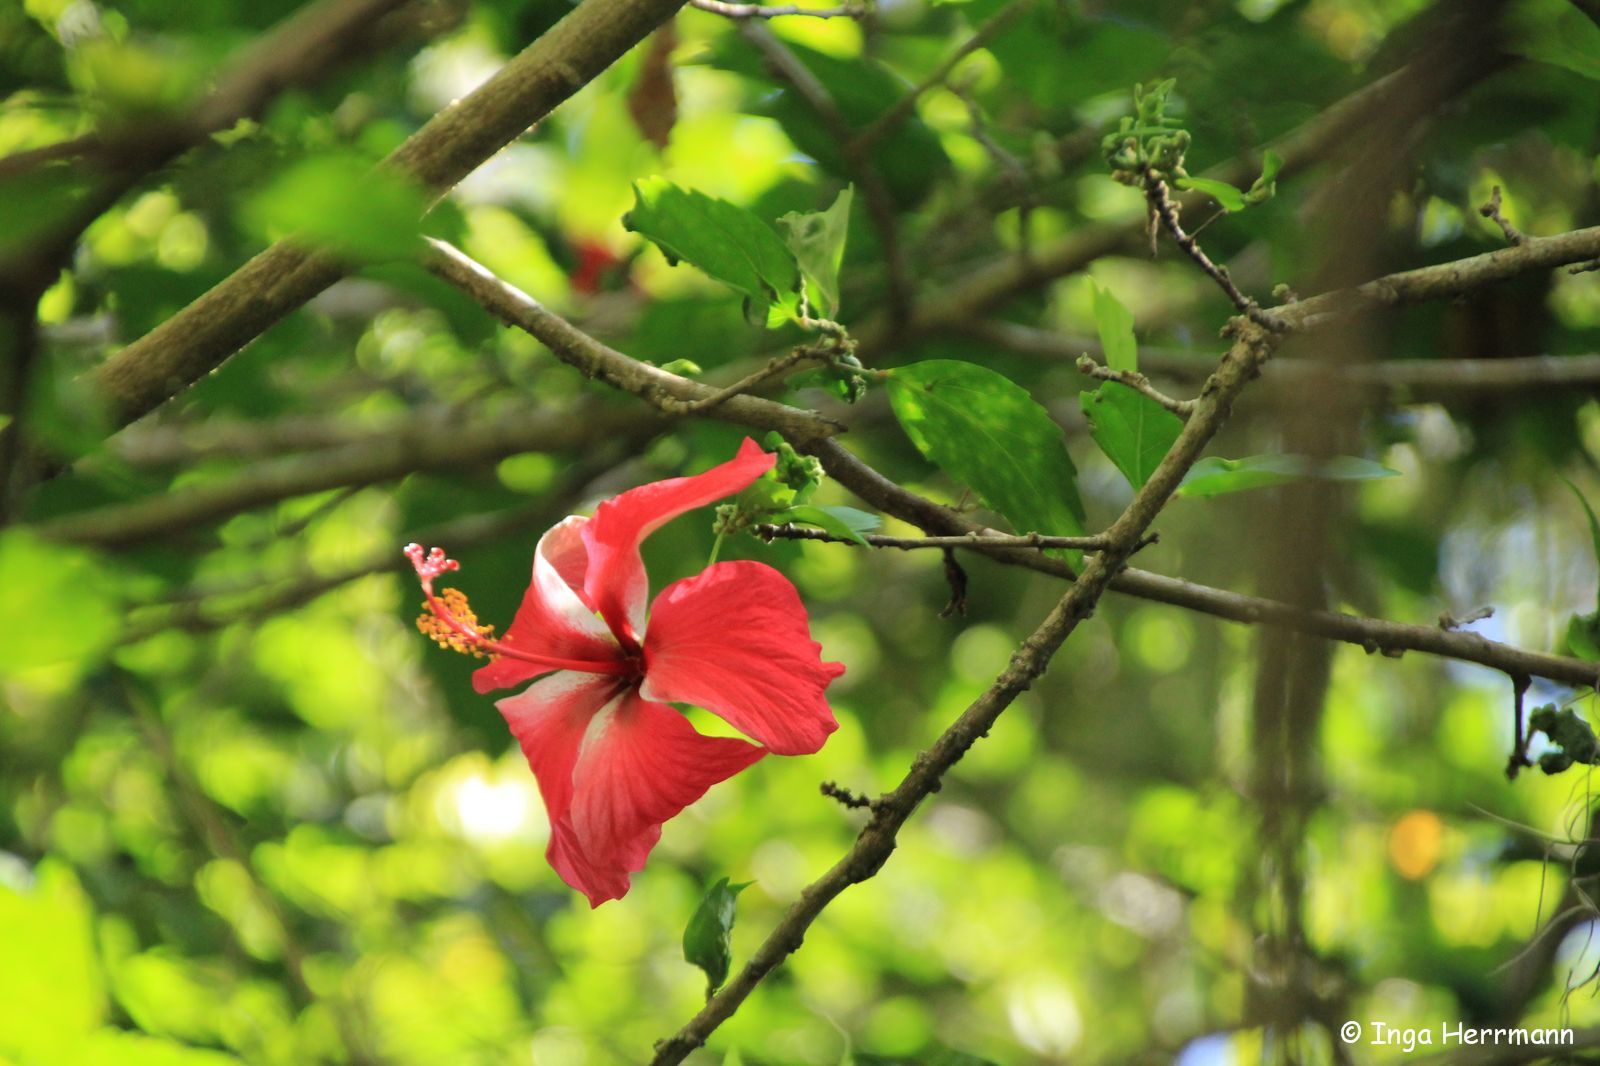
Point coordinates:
pixel 457 628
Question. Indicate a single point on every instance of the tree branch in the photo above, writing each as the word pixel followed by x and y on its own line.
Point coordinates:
pixel 199 338
pixel 1444 281
pixel 299 50
pixel 1135 381
pixel 1403 380
pixel 444 445
pixel 665 391
pixel 814 432
pixel 890 811
pixel 1372 634
pixel 985 539
pixel 262 291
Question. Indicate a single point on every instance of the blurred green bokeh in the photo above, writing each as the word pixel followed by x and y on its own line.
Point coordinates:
pixel 244 827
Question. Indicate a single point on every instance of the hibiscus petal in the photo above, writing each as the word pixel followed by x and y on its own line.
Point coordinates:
pixel 574 867
pixel 554 619
pixel 549 719
pixel 641 763
pixel 735 640
pixel 616 582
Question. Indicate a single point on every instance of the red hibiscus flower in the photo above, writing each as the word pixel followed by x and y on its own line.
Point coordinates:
pixel 612 760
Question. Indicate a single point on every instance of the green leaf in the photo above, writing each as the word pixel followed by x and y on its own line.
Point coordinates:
pixel 705 938
pixel 1573 737
pixel 1594 527
pixel 846 522
pixel 72 608
pixel 1271 164
pixel 132 80
pixel 51 986
pixel 65 414
pixel 344 203
pixel 1133 430
pixel 817 241
pixel 1215 476
pixel 1229 197
pixel 720 238
pixel 1266 186
pixel 1554 32
pixel 37 200
pixel 1114 323
pixel 1583 636
pixel 989 434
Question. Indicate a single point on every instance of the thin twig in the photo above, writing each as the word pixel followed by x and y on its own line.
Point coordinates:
pixel 189 443
pixel 886 123
pixel 853 800
pixel 1519 750
pixel 1137 382
pixel 1162 208
pixel 956 577
pixel 987 539
pixel 1491 211
pixel 1449 621
pixel 1016 172
pixel 773 11
pixel 775 367
pixel 1218 213
pixel 56 152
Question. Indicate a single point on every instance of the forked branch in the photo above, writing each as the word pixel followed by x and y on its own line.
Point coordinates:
pixel 876 841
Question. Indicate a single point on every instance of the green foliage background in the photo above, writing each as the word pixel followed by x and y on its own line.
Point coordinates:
pixel 250 815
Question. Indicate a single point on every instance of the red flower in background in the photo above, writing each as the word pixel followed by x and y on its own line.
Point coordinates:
pixel 596 265
pixel 613 762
